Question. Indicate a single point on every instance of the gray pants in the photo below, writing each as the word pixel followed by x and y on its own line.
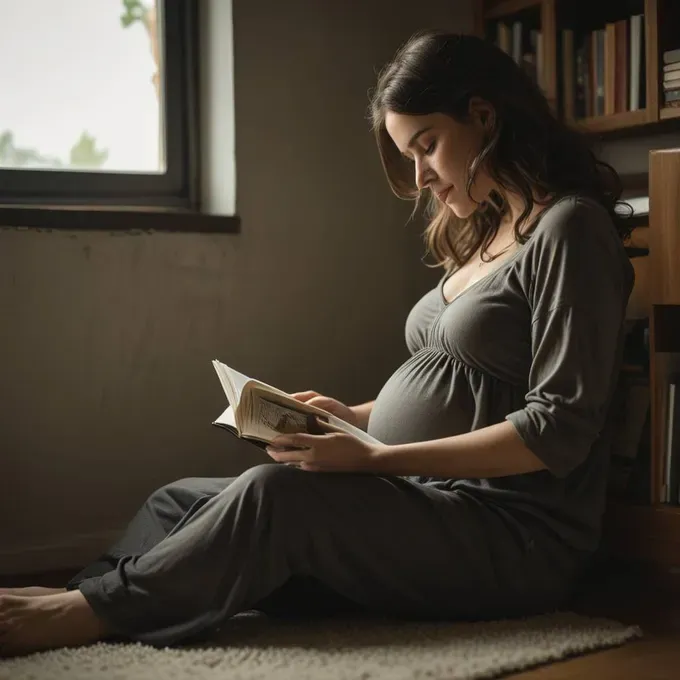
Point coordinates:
pixel 277 538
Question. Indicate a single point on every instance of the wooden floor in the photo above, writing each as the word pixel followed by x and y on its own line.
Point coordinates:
pixel 632 595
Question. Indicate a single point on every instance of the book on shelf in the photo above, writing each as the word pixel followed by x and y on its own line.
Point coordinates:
pixel 671 487
pixel 671 56
pixel 524 45
pixel 258 412
pixel 603 70
pixel 670 83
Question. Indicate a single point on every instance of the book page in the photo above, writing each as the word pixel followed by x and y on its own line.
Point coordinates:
pixel 291 404
pixel 226 419
pixel 240 381
pixel 269 419
pixel 232 381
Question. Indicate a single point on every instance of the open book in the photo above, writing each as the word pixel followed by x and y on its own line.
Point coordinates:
pixel 258 412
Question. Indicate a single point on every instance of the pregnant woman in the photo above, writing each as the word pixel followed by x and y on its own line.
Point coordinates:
pixel 486 496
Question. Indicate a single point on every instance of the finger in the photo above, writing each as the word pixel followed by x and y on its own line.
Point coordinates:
pixel 304 396
pixel 300 440
pixel 282 456
pixel 320 401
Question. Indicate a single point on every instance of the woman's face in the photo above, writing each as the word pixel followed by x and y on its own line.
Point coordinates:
pixel 441 150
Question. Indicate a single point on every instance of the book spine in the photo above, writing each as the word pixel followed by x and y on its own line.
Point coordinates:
pixel 668 463
pixel 569 81
pixel 671 56
pixel 635 61
pixel 673 441
pixel 609 58
pixel 517 42
pixel 622 66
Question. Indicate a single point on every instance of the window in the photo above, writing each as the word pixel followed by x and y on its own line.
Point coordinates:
pixel 99 102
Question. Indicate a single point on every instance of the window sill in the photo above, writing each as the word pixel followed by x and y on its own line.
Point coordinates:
pixel 105 218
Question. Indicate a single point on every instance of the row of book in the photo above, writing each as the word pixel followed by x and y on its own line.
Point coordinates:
pixel 671 78
pixel 603 71
pixel 525 47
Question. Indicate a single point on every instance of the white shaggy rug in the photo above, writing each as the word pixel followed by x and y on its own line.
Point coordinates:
pixel 252 647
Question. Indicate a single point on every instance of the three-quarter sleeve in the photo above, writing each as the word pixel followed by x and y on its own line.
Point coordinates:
pixel 578 280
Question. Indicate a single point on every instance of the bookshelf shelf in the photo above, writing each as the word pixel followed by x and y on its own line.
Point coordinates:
pixel 614 121
pixel 501 8
pixel 671 510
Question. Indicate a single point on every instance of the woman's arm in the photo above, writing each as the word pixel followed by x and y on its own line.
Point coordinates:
pixel 494 451
pixel 362 413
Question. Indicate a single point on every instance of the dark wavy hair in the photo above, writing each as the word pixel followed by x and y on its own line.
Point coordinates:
pixel 528 150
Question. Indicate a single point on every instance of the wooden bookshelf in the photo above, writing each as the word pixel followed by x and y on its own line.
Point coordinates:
pixel 502 8
pixel 552 17
pixel 652 532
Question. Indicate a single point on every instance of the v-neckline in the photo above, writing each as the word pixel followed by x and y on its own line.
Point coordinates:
pixel 520 249
pixel 486 276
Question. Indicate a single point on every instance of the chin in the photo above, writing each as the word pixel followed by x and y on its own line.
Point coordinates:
pixel 462 209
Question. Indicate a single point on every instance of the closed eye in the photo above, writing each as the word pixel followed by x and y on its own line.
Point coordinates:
pixel 430 149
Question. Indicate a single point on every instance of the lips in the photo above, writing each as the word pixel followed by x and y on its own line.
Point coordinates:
pixel 441 195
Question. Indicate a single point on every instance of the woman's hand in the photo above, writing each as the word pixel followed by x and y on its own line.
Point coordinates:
pixel 337 408
pixel 333 451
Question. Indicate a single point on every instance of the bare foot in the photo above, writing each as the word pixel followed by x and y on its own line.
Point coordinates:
pixel 33 624
pixel 31 591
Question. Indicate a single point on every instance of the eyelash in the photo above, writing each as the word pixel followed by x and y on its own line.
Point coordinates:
pixel 428 152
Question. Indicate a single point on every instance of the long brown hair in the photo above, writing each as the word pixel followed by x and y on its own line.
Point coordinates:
pixel 528 151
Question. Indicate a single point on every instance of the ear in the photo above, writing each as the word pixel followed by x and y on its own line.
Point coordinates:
pixel 482 114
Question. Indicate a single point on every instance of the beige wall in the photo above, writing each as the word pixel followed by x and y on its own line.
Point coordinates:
pixel 631 156
pixel 107 338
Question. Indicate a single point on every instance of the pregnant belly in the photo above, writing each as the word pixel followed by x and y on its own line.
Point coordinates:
pixel 427 397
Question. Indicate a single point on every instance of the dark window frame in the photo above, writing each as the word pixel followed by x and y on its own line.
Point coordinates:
pixel 179 186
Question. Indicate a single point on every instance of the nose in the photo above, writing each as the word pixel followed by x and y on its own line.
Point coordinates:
pixel 424 174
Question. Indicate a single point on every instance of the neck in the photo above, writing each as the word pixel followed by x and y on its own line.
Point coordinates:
pixel 516 208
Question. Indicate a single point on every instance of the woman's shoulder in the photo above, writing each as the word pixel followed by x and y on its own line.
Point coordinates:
pixel 574 219
pixel 574 215
pixel 576 235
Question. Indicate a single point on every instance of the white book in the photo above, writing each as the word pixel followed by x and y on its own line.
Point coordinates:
pixel 258 412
